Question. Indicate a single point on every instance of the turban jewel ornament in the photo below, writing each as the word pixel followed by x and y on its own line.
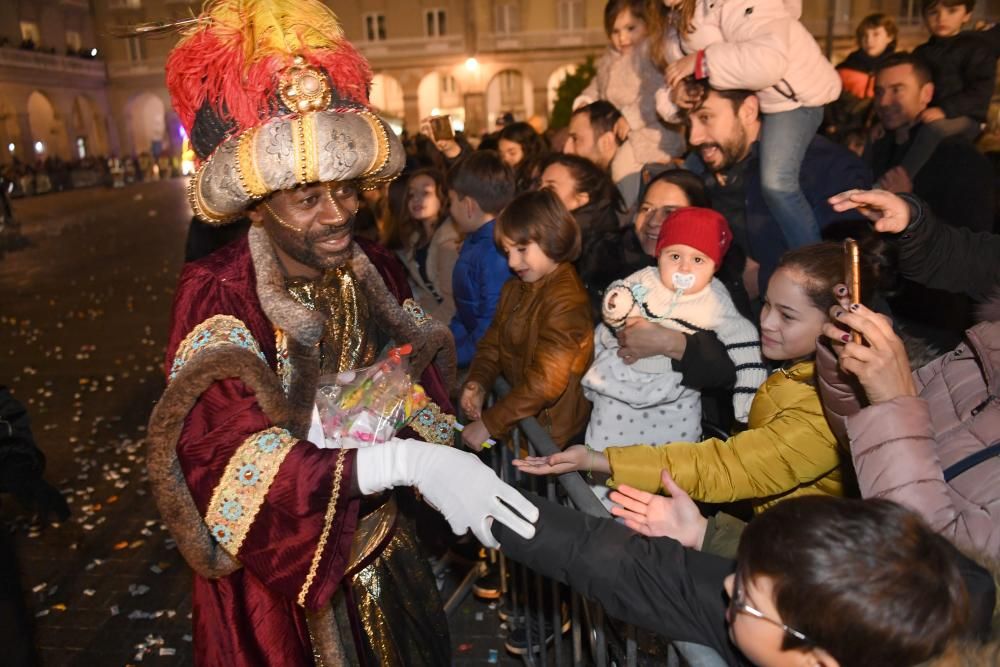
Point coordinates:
pixel 273 96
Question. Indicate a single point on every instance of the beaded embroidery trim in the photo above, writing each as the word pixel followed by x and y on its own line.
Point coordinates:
pixel 246 165
pixel 216 330
pixel 435 426
pixel 240 493
pixel 416 311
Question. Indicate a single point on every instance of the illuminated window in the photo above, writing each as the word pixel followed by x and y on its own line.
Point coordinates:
pixel 435 22
pixel 29 31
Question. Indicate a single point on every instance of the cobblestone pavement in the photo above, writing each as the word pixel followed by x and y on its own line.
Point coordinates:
pixel 82 329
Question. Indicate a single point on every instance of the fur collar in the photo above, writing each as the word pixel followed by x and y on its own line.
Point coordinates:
pixel 297 321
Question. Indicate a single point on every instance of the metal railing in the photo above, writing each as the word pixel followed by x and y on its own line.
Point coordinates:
pixel 525 591
pixel 12 58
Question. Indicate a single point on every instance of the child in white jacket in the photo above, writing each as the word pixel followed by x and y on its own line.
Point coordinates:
pixel 644 401
pixel 757 45
pixel 627 78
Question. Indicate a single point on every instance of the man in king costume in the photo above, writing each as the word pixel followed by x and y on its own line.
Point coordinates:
pixel 299 552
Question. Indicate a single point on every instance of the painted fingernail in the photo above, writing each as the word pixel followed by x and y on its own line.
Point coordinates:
pixel 839 313
pixel 846 338
pixel 854 306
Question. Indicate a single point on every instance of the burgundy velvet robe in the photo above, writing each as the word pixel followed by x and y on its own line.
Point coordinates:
pixel 251 616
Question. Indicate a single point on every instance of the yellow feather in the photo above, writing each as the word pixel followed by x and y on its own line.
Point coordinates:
pixel 266 28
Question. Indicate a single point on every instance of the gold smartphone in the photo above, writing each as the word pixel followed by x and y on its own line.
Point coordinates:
pixel 852 276
pixel 441 129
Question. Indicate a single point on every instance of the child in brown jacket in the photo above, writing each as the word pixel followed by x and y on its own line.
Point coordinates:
pixel 541 339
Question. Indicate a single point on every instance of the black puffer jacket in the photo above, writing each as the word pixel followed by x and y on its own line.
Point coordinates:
pixel 945 257
pixel 655 583
pixel 964 72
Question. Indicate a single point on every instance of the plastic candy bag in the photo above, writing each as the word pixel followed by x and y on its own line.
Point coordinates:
pixel 370 405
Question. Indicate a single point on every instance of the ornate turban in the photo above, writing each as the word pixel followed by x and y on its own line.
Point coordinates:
pixel 272 96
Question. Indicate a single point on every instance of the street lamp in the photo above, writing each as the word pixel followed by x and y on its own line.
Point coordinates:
pixel 39 147
pixel 471 64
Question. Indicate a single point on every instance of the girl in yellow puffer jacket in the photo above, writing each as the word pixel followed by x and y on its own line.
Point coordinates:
pixel 788 449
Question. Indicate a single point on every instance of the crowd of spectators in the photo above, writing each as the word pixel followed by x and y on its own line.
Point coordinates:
pixel 702 271
pixel 667 295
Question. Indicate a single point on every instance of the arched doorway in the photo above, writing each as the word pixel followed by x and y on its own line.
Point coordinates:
pixel 387 97
pixel 555 79
pixel 145 117
pixel 89 127
pixel 438 94
pixel 48 131
pixel 509 92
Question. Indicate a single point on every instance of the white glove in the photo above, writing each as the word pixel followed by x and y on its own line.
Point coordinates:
pixel 457 484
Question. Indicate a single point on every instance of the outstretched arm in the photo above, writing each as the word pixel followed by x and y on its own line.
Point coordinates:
pixel 932 253
pixel 654 583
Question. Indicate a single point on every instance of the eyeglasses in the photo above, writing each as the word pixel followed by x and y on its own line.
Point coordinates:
pixel 738 604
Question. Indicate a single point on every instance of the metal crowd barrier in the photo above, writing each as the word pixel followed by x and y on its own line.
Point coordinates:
pixel 594 640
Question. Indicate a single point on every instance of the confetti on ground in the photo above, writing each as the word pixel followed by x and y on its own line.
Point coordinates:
pixel 135 590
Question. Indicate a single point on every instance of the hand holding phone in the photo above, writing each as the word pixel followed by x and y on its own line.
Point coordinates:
pixel 438 128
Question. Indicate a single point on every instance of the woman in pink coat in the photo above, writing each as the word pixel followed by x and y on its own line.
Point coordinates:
pixel 929 439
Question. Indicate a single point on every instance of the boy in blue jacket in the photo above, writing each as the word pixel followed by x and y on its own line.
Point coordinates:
pixel 481 186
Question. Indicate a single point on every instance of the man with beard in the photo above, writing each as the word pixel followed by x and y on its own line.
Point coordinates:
pixel 957 180
pixel 300 553
pixel 956 183
pixel 594 134
pixel 725 127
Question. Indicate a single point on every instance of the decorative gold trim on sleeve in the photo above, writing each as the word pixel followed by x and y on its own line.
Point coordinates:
pixel 216 330
pixel 433 425
pixel 240 493
pixel 331 511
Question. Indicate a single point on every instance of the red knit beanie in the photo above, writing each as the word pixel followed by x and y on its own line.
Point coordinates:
pixel 703 229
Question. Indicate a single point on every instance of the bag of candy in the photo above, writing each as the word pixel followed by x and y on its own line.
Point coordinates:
pixel 370 405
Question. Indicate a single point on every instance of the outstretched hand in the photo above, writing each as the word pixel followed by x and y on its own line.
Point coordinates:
pixel 659 516
pixel 880 363
pixel 889 212
pixel 462 488
pixel 573 458
pixel 471 401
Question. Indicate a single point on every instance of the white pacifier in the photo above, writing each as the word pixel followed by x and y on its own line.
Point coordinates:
pixel 683 280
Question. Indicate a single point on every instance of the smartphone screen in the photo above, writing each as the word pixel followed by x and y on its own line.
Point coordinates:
pixel 441 129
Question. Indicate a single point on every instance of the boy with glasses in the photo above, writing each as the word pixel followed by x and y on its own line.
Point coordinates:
pixel 817 581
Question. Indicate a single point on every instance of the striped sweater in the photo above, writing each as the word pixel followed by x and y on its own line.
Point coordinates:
pixel 643 295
